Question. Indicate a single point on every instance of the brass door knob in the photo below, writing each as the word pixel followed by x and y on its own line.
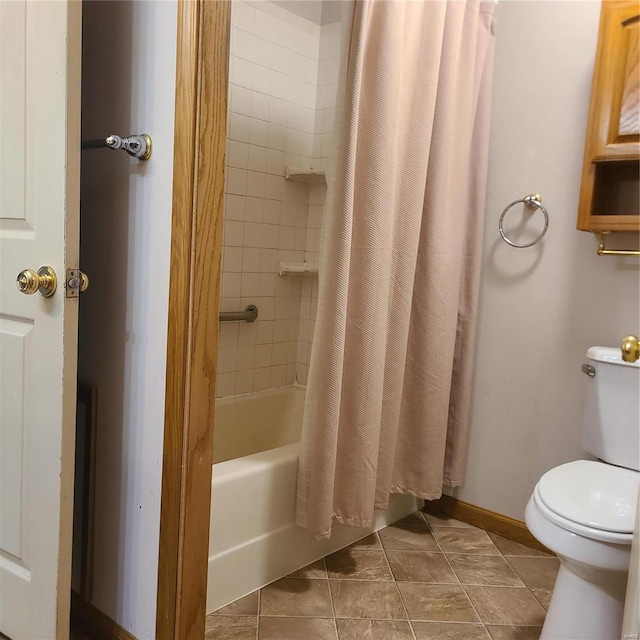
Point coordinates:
pixel 44 281
pixel 630 349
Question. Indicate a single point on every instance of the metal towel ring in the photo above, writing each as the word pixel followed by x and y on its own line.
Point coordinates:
pixel 532 201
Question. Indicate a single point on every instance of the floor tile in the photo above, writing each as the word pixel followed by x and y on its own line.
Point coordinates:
pixel 514 633
pixel 435 519
pixel 416 518
pixel 539 573
pixel 370 542
pixel 357 564
pixel 417 579
pixel 421 566
pixel 247 606
pixel 506 605
pixel 408 537
pixel 483 570
pixel 360 599
pixel 230 627
pixel 512 548
pixel 436 603
pixel 453 540
pixel 297 629
pixel 374 630
pixel 543 596
pixel 314 570
pixel 449 631
pixel 296 597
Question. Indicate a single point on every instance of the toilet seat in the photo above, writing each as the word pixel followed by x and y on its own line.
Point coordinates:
pixel 592 499
pixel 581 530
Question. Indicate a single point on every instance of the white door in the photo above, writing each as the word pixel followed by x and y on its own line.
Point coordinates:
pixel 39 220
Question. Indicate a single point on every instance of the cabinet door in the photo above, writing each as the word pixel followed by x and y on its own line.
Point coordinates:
pixel 625 114
pixel 609 193
pixel 615 131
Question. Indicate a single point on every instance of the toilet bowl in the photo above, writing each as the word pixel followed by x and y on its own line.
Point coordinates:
pixel 584 511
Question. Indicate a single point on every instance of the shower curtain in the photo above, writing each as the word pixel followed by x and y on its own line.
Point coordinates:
pixel 388 393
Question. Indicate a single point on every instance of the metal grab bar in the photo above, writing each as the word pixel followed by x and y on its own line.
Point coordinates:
pixel 248 315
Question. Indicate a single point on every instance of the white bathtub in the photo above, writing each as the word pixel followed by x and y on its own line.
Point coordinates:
pixel 254 538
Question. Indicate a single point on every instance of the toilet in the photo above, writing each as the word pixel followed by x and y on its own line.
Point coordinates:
pixel 584 511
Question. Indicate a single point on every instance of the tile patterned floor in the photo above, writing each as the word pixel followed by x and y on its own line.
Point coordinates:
pixel 427 577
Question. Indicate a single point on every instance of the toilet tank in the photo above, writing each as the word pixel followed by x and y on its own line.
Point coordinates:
pixel 612 408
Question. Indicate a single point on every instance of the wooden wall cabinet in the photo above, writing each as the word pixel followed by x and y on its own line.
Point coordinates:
pixel 609 198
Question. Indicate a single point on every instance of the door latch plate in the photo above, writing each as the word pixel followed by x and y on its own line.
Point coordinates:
pixel 75 282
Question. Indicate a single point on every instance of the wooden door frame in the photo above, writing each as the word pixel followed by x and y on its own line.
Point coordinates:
pixel 196 243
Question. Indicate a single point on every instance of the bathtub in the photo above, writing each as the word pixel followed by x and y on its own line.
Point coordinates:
pixel 254 539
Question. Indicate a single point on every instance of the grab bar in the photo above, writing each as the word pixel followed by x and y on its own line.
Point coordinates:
pixel 248 315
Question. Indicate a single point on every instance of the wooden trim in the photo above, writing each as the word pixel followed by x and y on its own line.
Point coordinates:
pixel 617 222
pixel 196 241
pixel 485 519
pixel 91 622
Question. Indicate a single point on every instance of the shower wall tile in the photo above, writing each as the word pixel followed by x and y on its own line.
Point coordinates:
pixel 243 383
pixel 226 383
pixel 283 78
pixel 322 142
pixel 262 379
pixel 227 359
pixel 238 155
pixel 272 98
pixel 232 260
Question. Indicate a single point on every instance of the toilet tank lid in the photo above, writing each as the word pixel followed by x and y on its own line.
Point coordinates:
pixel 611 355
pixel 594 494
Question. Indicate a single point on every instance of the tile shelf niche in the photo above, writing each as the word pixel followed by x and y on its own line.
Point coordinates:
pixel 298 269
pixel 308 176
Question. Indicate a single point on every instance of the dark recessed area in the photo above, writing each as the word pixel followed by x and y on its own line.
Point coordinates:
pixel 617 187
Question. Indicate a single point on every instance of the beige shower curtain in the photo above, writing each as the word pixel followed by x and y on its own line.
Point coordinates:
pixel 389 383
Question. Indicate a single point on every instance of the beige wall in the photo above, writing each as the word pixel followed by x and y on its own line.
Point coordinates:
pixel 540 307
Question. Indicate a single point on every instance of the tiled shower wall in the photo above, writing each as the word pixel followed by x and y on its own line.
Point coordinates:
pixel 280 112
pixel 325 127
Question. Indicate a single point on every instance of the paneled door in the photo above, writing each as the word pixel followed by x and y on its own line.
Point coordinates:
pixel 39 223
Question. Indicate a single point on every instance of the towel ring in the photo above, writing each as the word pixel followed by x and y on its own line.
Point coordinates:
pixel 532 201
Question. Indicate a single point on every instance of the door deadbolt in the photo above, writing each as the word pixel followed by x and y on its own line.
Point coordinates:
pixel 44 281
